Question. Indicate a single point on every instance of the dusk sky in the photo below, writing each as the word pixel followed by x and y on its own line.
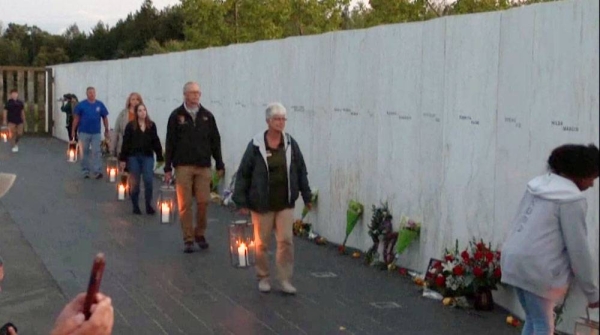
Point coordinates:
pixel 54 16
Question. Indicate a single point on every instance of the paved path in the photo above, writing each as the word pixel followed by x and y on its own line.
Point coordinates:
pixel 52 222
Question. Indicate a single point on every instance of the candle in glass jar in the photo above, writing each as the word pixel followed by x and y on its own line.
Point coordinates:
pixel 72 155
pixel 113 175
pixel 166 211
pixel 121 192
pixel 4 137
pixel 243 254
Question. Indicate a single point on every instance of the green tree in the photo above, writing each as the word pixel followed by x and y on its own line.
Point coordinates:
pixel 48 56
pixel 205 23
pixel 478 6
pixel 99 44
pixel 12 52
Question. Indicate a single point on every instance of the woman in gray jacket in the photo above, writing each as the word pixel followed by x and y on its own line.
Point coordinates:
pixel 127 115
pixel 548 242
pixel 270 179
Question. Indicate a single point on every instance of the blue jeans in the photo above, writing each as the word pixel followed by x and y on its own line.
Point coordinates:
pixel 141 166
pixel 539 313
pixel 86 141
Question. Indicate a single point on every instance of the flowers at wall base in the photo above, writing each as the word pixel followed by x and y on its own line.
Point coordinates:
pixel 353 214
pixel 301 229
pixel 483 265
pixel 449 277
pixel 409 232
pixel 473 272
pixel 511 320
pixel 381 226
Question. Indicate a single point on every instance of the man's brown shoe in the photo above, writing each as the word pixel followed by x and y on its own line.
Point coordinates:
pixel 202 244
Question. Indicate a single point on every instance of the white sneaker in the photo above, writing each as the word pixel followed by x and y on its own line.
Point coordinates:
pixel 287 287
pixel 15 148
pixel 264 286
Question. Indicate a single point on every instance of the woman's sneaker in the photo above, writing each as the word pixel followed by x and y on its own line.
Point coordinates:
pixel 264 286
pixel 287 287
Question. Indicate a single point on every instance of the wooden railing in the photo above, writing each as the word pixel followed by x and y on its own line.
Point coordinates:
pixel 32 86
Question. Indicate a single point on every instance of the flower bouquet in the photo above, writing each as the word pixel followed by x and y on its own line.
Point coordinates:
pixel 301 229
pixel 214 181
pixel 409 231
pixel 313 201
pixel 381 226
pixel 353 214
pixel 483 265
pixel 450 277
pixel 474 272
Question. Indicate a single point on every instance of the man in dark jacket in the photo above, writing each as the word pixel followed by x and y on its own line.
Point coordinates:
pixel 192 139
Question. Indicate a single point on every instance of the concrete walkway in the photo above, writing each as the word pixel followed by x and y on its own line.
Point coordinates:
pixel 52 222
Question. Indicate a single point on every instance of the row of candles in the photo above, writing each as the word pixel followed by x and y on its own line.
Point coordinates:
pixel 241 232
pixel 166 198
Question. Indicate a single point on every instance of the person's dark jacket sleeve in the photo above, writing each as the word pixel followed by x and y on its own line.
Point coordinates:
pixel 171 142
pixel 156 146
pixel 215 146
pixel 243 178
pixel 303 184
pixel 126 146
pixel 66 108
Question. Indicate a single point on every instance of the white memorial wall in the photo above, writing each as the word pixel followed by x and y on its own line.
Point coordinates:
pixel 446 120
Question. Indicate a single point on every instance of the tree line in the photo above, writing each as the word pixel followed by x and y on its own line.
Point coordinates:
pixel 194 24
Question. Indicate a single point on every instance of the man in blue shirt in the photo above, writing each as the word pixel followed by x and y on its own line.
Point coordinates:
pixel 86 122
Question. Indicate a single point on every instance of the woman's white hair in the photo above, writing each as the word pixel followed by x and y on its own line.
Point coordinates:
pixel 275 109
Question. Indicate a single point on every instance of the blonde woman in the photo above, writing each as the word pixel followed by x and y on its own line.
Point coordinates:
pixel 127 115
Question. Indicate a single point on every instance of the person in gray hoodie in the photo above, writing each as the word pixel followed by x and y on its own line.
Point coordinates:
pixel 548 242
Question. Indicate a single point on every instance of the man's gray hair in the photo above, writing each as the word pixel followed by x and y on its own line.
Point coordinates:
pixel 275 109
pixel 188 84
pixel 90 88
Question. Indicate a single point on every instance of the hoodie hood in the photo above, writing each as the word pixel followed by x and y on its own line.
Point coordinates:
pixel 259 141
pixel 554 187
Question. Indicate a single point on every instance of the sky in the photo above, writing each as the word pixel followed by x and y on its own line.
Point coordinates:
pixel 54 16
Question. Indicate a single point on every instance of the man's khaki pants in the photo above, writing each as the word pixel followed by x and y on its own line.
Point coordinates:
pixel 192 182
pixel 15 132
pixel 264 224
